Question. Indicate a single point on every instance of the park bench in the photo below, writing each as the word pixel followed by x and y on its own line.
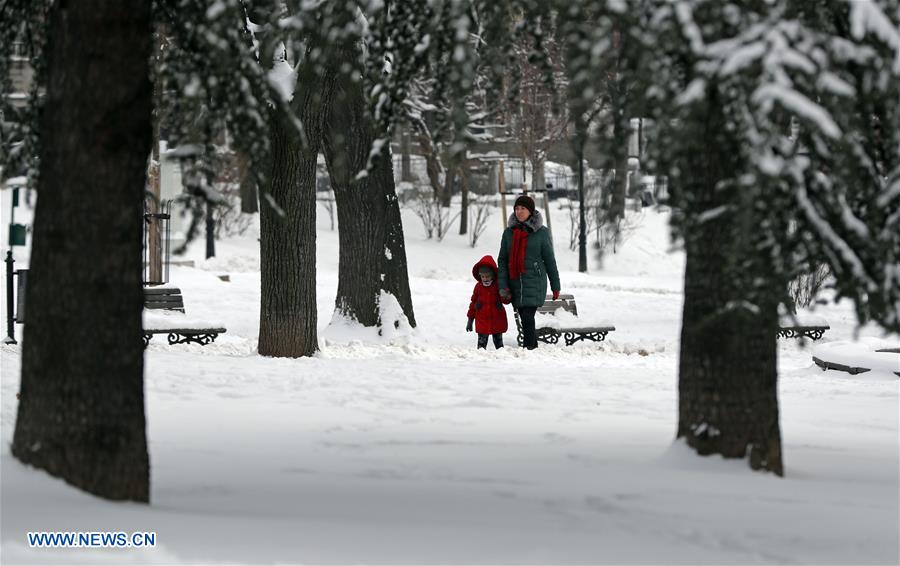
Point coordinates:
pixel 807 326
pixel 549 331
pixel 178 329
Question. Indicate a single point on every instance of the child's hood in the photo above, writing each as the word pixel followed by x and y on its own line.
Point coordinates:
pixel 485 261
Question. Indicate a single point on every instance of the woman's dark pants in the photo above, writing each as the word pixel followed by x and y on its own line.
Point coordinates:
pixel 529 335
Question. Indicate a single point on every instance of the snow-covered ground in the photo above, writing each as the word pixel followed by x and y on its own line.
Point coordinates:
pixel 419 449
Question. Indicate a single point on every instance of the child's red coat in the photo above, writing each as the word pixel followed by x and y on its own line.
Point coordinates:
pixel 485 306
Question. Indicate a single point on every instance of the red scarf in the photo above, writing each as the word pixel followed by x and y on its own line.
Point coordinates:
pixel 517 257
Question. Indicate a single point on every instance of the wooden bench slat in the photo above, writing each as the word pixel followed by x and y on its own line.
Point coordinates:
pixel 163 298
pixel 162 291
pixel 184 330
pixel 583 328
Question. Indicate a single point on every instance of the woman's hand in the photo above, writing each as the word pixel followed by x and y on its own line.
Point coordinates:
pixel 505 296
pixel 555 295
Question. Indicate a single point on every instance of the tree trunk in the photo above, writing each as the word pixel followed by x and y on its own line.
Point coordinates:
pixel 433 166
pixel 249 194
pixel 728 400
pixel 405 161
pixel 288 315
pixel 372 259
pixel 81 413
pixel 449 182
pixel 154 234
pixel 538 180
pixel 464 184
pixel 620 184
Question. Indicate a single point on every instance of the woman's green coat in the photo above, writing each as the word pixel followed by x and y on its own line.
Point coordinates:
pixel 530 289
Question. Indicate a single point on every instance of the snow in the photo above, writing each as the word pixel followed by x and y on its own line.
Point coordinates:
pixel 798 104
pixel 414 447
pixel 863 353
pixel 868 17
pixel 167 320
pixel 803 319
pixel 283 78
pixel 563 319
pixel 15 182
pixel 215 10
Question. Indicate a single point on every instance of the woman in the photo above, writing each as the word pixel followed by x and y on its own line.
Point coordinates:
pixel 525 261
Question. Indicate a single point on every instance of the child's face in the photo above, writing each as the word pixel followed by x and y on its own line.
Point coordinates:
pixel 486 278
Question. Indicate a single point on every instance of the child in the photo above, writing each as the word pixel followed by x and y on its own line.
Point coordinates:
pixel 485 308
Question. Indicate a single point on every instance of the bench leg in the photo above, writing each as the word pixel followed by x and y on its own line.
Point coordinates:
pixel 572 337
pixel 202 339
pixel 548 336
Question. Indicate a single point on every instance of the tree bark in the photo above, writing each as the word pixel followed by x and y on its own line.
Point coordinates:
pixel 433 166
pixel 249 194
pixel 372 257
pixel 449 182
pixel 538 179
pixel 620 183
pixel 405 161
pixel 464 185
pixel 81 413
pixel 154 234
pixel 288 315
pixel 728 401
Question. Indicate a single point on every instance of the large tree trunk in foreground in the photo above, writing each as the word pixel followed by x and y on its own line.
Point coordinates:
pixel 372 250
pixel 288 316
pixel 728 401
pixel 81 414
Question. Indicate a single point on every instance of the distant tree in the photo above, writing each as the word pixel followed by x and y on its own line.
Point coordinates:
pixel 533 105
pixel 372 261
pixel 290 61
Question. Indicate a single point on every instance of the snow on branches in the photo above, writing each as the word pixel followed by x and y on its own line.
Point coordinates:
pixel 812 98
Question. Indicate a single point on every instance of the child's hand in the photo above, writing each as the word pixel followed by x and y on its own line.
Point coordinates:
pixel 469 325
